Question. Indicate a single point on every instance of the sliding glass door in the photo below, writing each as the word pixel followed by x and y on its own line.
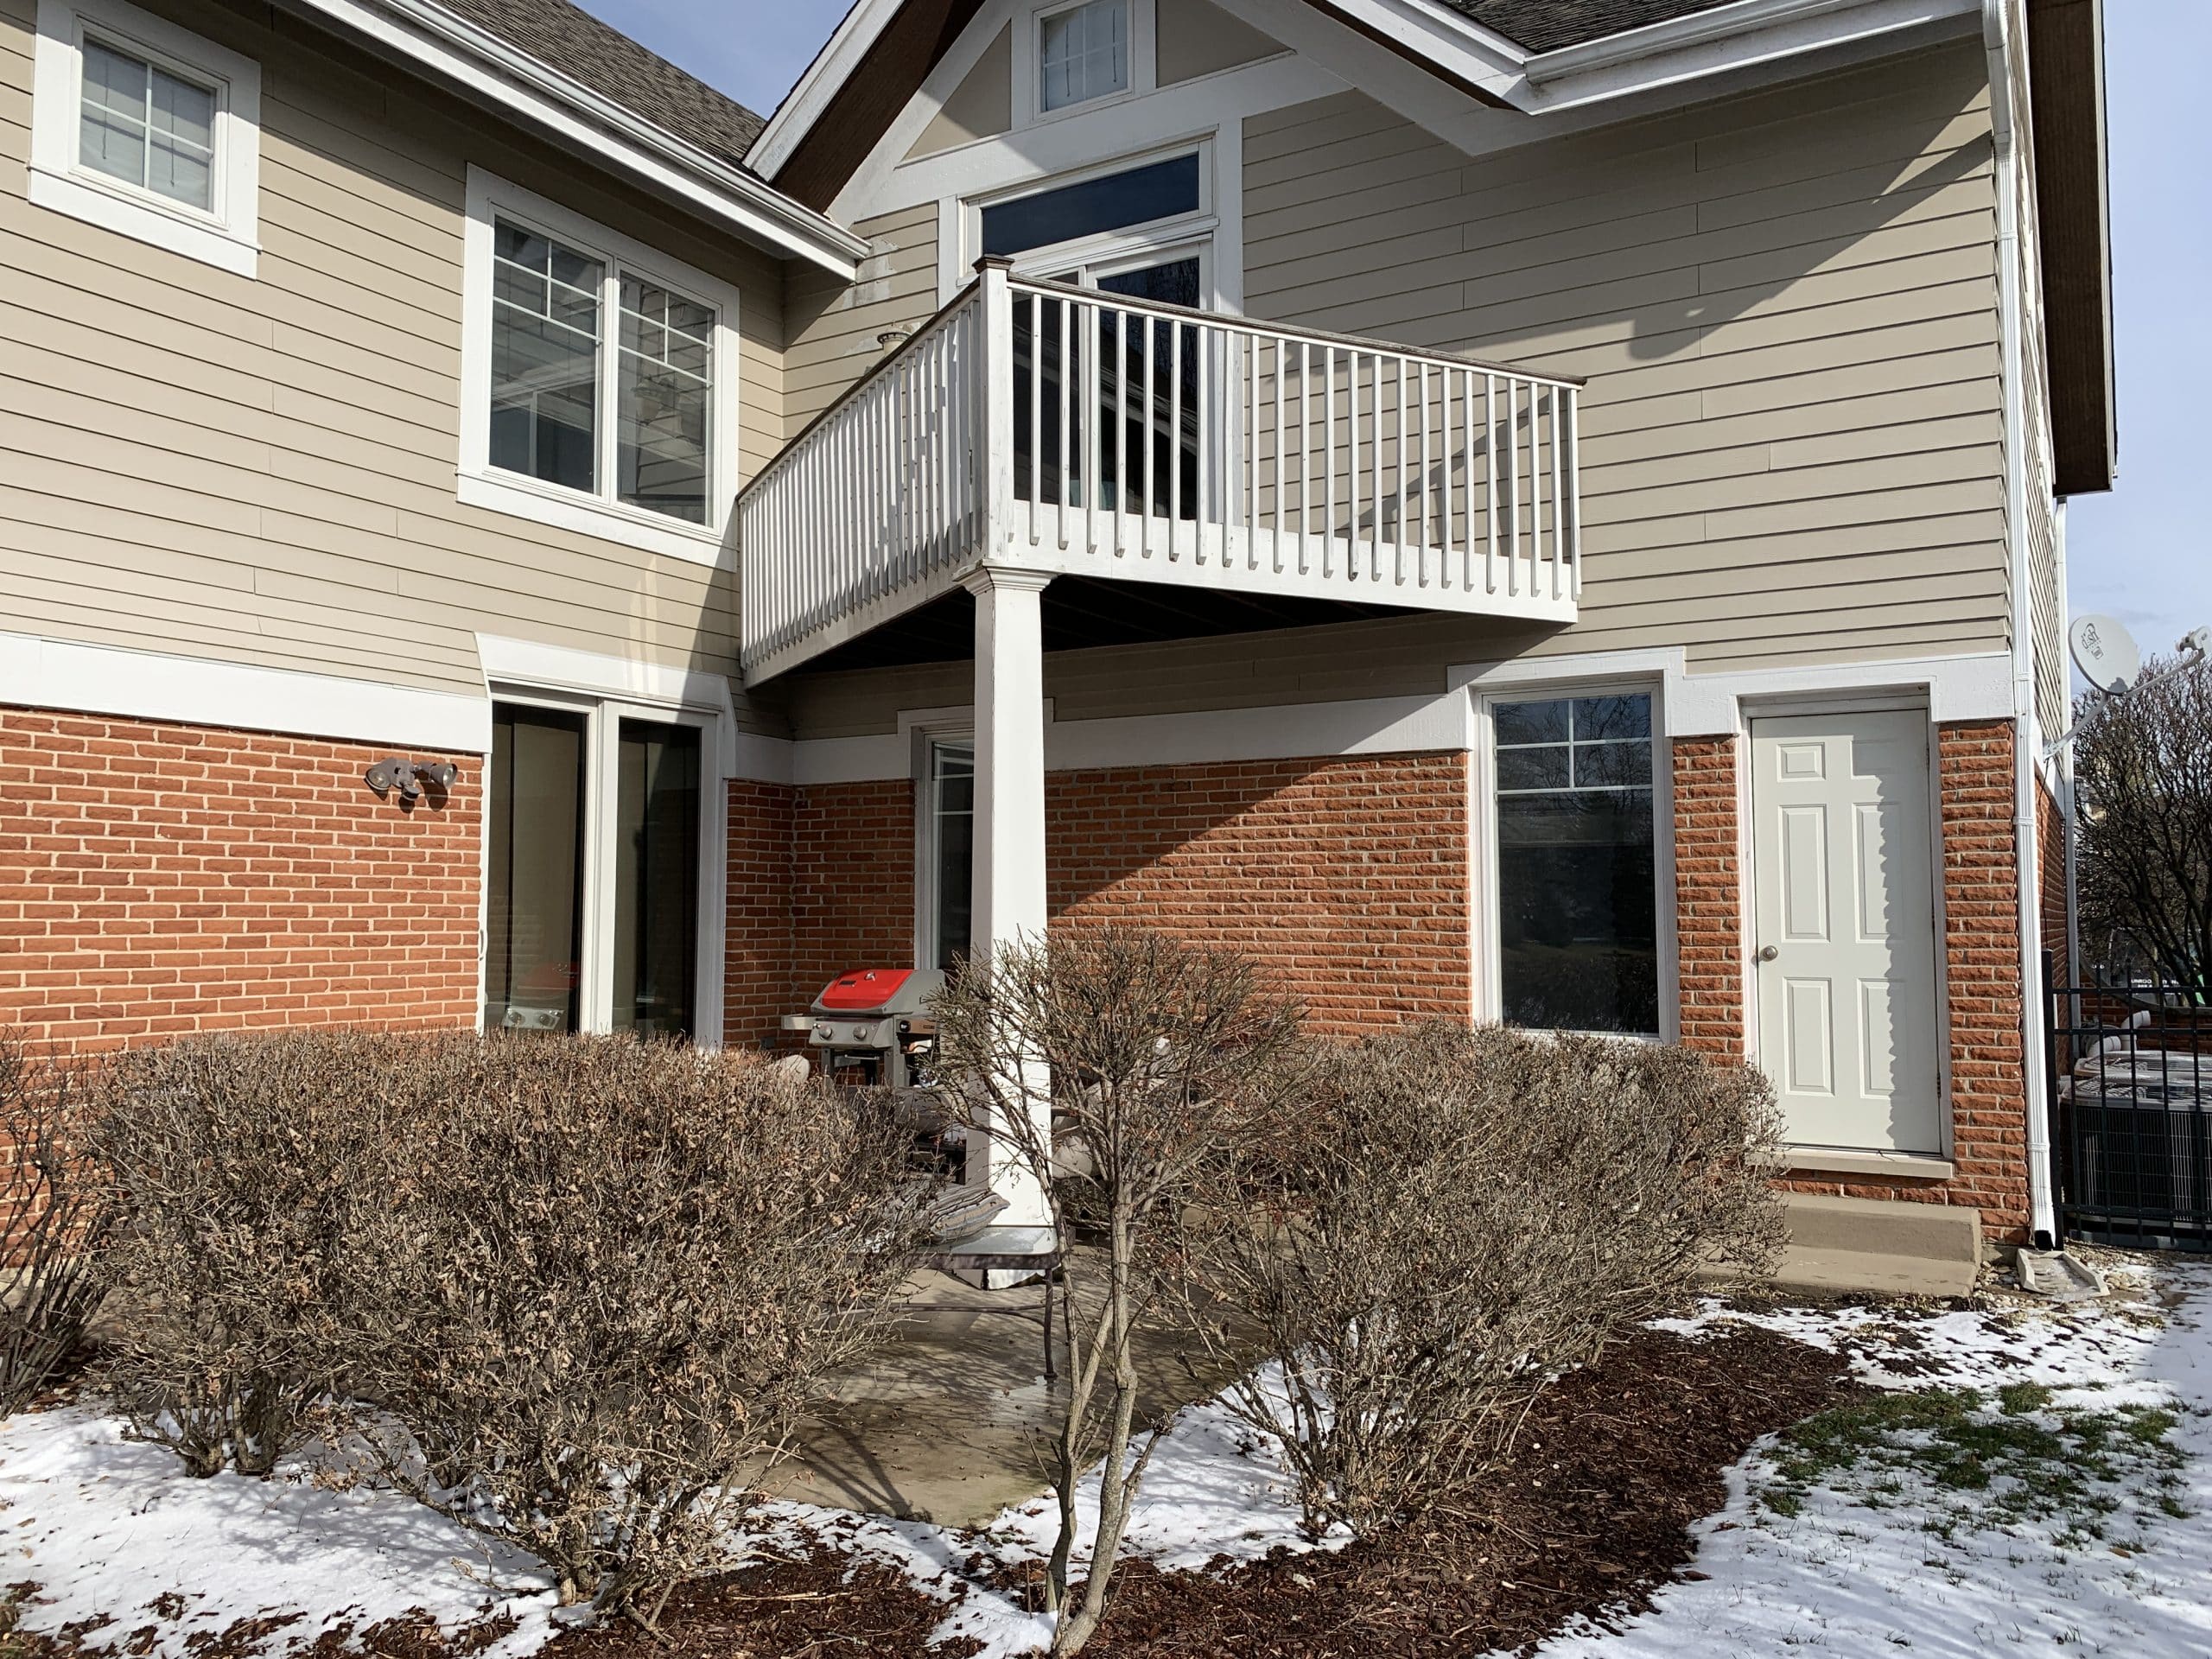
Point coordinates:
pixel 600 818
pixel 656 878
pixel 533 932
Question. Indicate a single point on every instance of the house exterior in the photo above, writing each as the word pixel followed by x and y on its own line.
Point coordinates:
pixel 1495 509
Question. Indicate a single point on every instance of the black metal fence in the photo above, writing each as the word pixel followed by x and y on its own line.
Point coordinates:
pixel 2130 1097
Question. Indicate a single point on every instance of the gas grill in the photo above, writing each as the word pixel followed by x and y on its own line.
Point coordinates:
pixel 869 1028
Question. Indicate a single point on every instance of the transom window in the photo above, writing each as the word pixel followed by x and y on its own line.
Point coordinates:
pixel 1111 201
pixel 599 379
pixel 1083 53
pixel 147 126
pixel 1577 874
pixel 553 362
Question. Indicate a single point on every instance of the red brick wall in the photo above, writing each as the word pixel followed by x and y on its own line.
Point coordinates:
pixel 157 878
pixel 757 960
pixel 1346 881
pixel 852 880
pixel 1709 896
pixel 821 879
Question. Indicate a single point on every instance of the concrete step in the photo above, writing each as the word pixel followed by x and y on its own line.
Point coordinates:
pixel 1811 1268
pixel 1873 1244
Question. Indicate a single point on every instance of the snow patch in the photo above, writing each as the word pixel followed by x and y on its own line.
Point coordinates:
pixel 108 1527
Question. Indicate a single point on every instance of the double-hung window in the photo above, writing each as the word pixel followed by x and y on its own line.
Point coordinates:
pixel 599 379
pixel 146 128
pixel 1578 940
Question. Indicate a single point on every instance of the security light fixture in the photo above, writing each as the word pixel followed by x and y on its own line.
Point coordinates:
pixel 407 777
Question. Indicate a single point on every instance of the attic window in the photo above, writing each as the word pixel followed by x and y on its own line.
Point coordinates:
pixel 1083 53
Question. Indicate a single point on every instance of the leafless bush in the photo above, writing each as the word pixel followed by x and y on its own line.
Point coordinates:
pixel 54 1223
pixel 1459 1216
pixel 239 1173
pixel 1154 1056
pixel 608 1282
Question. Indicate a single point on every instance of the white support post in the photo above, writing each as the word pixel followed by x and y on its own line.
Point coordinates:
pixel 994 371
pixel 1007 903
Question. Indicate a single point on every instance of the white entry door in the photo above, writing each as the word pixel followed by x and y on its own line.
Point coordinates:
pixel 1845 909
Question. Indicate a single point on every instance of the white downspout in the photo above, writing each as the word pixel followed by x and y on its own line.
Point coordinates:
pixel 1998 42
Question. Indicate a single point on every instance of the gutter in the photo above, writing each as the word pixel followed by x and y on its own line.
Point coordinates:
pixel 2005 122
pixel 1695 30
pixel 433 40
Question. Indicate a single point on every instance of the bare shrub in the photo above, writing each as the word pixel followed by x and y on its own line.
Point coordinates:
pixel 54 1223
pixel 1153 1057
pixel 1458 1217
pixel 238 1174
pixel 608 1282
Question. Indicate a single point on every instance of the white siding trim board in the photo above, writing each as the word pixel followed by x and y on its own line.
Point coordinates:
pixel 52 674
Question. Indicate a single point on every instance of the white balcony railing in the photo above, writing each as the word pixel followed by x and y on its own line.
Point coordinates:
pixel 1075 432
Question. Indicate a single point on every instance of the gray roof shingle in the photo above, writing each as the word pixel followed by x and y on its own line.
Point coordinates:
pixel 562 37
pixel 1544 25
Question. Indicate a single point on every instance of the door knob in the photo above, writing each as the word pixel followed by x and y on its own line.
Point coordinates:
pixel 1767 953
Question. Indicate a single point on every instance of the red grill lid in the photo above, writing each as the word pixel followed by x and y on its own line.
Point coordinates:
pixel 863 990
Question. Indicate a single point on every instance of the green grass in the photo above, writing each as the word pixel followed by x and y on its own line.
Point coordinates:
pixel 1972 1461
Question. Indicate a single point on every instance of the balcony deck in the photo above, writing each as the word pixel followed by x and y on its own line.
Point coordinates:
pixel 1031 426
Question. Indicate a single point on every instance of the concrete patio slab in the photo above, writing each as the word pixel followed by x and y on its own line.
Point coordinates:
pixel 948 1422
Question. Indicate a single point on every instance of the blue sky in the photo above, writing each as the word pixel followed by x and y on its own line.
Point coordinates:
pixel 2143 553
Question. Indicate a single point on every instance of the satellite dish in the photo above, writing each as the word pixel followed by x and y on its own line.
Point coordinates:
pixel 2105 652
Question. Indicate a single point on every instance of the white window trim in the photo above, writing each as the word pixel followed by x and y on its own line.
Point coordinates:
pixel 1028 65
pixel 1200 229
pixel 924 738
pixel 481 485
pixel 603 717
pixel 229 236
pixel 1489 990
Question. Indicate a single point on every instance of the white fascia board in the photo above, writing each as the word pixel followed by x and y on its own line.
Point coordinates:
pixel 529 664
pixel 1456 44
pixel 457 52
pixel 1727 40
pixel 64 676
pixel 806 101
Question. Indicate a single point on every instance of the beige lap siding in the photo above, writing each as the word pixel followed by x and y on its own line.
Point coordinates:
pixel 1346 881
pixel 159 878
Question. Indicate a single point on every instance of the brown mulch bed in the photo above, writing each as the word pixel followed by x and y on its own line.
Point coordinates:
pixel 820 1605
pixel 1616 1464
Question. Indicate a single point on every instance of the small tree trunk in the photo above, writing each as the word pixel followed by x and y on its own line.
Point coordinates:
pixel 1115 1484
